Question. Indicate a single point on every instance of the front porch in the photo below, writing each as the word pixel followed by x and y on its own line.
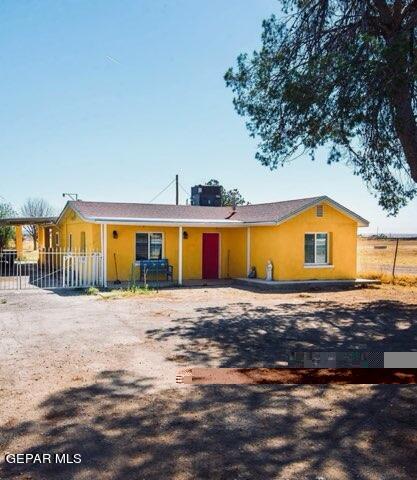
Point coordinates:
pixel 196 255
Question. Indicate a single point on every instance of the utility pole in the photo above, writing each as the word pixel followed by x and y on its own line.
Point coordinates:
pixel 176 189
pixel 395 260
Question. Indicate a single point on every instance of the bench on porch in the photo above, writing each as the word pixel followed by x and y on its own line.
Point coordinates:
pixel 155 267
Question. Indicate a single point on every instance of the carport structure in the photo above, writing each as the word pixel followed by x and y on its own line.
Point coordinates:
pixel 46 266
pixel 44 227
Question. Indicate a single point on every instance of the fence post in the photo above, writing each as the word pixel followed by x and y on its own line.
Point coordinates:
pixel 395 260
pixel 64 265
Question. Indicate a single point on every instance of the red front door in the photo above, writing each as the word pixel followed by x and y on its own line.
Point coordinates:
pixel 210 255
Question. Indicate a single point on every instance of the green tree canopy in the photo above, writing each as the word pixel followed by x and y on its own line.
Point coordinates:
pixel 229 197
pixel 340 74
pixel 6 232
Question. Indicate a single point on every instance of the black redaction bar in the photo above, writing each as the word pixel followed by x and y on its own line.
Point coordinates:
pixel 294 376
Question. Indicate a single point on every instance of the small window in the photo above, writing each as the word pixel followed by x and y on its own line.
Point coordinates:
pixel 82 242
pixel 70 242
pixel 319 210
pixel 148 246
pixel 57 239
pixel 155 246
pixel 316 248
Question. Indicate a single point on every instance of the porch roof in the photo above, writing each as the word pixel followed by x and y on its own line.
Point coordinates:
pixel 12 221
pixel 263 213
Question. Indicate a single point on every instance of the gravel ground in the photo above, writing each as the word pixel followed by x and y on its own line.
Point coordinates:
pixel 80 374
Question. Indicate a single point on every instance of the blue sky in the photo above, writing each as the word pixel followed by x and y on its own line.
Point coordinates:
pixel 112 98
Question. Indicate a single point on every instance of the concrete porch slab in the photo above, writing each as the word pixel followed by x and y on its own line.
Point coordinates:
pixel 215 282
pixel 220 282
pixel 303 284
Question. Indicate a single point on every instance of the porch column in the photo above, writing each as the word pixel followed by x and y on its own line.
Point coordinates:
pixel 40 230
pixel 105 254
pixel 103 234
pixel 248 250
pixel 19 241
pixel 179 255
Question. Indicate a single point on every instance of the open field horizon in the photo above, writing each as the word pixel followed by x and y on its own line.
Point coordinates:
pixel 377 255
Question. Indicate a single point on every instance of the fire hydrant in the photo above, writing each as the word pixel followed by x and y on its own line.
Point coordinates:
pixel 269 270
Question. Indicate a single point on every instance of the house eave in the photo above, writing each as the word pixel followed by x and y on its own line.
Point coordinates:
pixel 166 222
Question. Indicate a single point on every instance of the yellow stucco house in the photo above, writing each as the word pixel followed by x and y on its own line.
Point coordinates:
pixel 305 239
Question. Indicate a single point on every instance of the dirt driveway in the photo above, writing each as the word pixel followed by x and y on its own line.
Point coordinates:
pixel 84 375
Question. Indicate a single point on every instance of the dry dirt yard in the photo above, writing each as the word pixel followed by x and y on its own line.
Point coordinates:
pixel 80 374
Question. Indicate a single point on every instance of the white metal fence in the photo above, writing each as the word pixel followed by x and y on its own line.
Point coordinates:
pixel 48 269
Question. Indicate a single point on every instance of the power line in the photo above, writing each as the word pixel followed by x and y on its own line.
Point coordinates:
pixel 162 191
pixel 187 193
pixel 184 190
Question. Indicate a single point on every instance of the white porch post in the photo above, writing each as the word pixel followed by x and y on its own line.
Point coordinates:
pixel 101 251
pixel 105 254
pixel 248 250
pixel 179 255
pixel 103 232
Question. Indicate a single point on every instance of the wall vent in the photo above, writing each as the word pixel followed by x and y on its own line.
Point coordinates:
pixel 319 210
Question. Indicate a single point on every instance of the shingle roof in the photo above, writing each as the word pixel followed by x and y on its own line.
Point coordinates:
pixel 258 213
pixel 148 210
pixel 274 211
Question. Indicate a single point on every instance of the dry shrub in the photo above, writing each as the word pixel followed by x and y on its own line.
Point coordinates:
pixel 400 279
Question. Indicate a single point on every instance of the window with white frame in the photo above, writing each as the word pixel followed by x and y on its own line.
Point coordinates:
pixel 148 246
pixel 316 248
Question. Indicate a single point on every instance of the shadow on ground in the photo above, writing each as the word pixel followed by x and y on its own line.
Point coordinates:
pixel 251 432
pixel 243 335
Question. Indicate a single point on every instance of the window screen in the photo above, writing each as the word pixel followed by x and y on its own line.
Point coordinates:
pixel 155 251
pixel 321 248
pixel 141 246
pixel 309 245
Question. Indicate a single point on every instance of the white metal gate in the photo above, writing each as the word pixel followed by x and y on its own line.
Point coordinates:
pixel 82 270
pixel 49 269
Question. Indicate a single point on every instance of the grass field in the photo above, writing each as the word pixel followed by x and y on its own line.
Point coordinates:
pixel 370 254
pixel 376 257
